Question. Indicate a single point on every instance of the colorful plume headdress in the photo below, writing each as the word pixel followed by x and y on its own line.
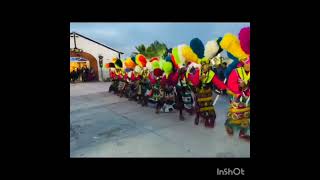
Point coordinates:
pixel 231 44
pixel 129 63
pixel 189 55
pixel 141 60
pixel 211 49
pixel 118 63
pixel 244 37
pixel 197 47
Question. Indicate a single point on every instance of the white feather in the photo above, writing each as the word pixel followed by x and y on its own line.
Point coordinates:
pixel 211 49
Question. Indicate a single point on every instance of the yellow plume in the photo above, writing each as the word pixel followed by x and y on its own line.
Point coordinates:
pixel 189 55
pixel 231 44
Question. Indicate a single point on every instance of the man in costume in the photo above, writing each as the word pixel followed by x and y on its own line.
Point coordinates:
pixel 145 86
pixel 239 90
pixel 203 79
pixel 120 76
pixel 168 82
pixel 238 116
pixel 155 78
pixel 113 77
pixel 141 67
pixel 135 81
pixel 184 99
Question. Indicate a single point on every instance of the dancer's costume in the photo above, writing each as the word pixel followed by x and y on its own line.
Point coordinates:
pixel 238 116
pixel 145 85
pixel 155 78
pixel 168 83
pixel 113 77
pixel 129 90
pixel 135 81
pixel 120 74
pixel 141 62
pixel 184 99
pixel 202 81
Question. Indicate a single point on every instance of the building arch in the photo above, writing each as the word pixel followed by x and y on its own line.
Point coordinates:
pixel 92 61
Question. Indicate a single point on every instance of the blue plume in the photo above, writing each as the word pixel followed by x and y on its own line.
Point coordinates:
pixel 197 47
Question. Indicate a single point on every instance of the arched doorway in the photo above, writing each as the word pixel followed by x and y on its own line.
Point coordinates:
pixel 92 61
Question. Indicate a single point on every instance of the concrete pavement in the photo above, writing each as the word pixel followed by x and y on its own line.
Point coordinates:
pixel 104 125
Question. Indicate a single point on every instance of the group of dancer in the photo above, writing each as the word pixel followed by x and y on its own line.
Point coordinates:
pixel 184 80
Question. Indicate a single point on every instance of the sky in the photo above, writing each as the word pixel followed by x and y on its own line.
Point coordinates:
pixel 125 37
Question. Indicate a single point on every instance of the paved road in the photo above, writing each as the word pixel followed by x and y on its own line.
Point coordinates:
pixel 104 125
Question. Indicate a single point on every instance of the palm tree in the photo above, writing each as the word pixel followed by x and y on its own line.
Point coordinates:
pixel 155 49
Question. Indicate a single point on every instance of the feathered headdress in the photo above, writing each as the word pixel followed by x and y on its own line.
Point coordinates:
pixel 167 65
pixel 211 49
pixel 129 63
pixel 114 59
pixel 141 60
pixel 244 37
pixel 176 60
pixel 197 47
pixel 118 64
pixel 110 65
pixel 189 55
pixel 156 67
pixel 231 44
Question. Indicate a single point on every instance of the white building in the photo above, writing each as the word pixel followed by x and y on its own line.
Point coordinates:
pixel 91 50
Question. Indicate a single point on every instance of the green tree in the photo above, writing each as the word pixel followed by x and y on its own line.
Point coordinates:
pixel 153 50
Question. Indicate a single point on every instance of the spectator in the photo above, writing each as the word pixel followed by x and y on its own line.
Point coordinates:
pixel 79 74
pixel 76 75
pixel 73 75
pixel 84 77
pixel 86 73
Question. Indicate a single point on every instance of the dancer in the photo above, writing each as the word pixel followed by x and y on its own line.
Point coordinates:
pixel 168 83
pixel 238 117
pixel 202 79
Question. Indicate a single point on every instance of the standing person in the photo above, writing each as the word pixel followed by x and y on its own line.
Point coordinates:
pixel 112 75
pixel 168 82
pixel 239 83
pixel 155 78
pixel 76 74
pixel 184 94
pixel 87 73
pixel 79 74
pixel 83 73
pixel 239 90
pixel 202 80
pixel 73 74
pixel 145 87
